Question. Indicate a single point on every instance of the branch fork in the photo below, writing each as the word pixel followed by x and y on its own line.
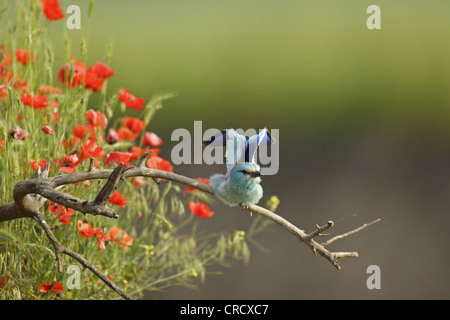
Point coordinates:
pixel 333 256
pixel 308 239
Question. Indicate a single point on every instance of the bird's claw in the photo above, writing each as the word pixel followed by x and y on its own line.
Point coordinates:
pixel 247 207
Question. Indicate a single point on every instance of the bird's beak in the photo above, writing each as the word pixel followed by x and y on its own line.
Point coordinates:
pixel 256 174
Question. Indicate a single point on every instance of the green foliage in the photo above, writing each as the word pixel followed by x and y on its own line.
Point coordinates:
pixel 166 248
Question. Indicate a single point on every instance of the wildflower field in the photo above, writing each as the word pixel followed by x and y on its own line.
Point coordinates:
pixel 49 122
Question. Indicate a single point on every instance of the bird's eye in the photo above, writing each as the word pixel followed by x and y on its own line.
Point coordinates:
pixel 244 171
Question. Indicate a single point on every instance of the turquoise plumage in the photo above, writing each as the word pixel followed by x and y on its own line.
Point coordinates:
pixel 241 184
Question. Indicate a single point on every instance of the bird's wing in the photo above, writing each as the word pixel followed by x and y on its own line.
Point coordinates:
pixel 235 149
pixel 217 140
pixel 263 137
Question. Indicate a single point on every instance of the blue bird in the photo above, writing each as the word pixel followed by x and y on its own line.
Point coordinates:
pixel 241 184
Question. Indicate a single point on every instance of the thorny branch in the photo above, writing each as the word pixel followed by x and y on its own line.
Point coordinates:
pixel 30 195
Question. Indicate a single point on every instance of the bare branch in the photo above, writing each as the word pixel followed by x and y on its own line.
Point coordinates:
pixel 109 187
pixel 45 190
pixel 143 159
pixel 316 247
pixel 321 229
pixel 91 164
pixel 43 173
pixel 339 255
pixel 326 243
pixel 58 247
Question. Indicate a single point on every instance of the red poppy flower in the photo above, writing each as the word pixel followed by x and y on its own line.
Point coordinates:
pixel 118 157
pixel 151 139
pixel 137 152
pixel 52 9
pixel 93 81
pixel 84 229
pixel 130 100
pixel 101 237
pixel 97 119
pixel 48 89
pixel 159 163
pixel 191 189
pixel 24 56
pixel 5 62
pixel 34 100
pixel 90 149
pixel 41 163
pixel 123 133
pixel 5 74
pixel 48 130
pixel 18 133
pixel 1 143
pixel 92 78
pixel 46 287
pixel 114 233
pixel 134 124
pixel 54 108
pixel 200 209
pixel 54 207
pixel 118 199
pixel 112 136
pixel 57 287
pixel 102 70
pixel 67 163
pixel 3 91
pixel 70 143
pixel 79 131
pixel 54 286
pixel 64 214
pixel 96 76
pixel 138 182
pixel 4 281
pixel 67 169
pixel 79 74
pixel 20 84
pixel 70 159
pixel 125 241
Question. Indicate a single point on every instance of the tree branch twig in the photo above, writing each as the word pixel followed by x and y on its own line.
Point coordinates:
pixel 341 236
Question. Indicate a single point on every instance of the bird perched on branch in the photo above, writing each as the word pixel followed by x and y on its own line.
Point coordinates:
pixel 241 184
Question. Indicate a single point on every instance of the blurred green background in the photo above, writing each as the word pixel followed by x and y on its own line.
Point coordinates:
pixel 279 63
pixel 364 120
